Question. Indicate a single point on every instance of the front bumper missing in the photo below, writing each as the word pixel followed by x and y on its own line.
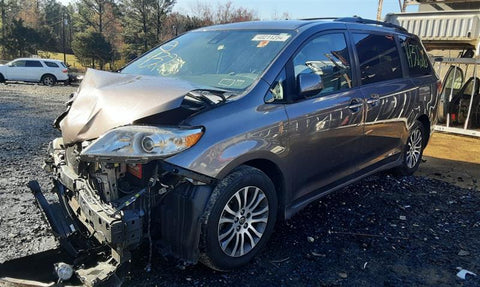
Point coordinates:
pixel 99 235
pixel 91 265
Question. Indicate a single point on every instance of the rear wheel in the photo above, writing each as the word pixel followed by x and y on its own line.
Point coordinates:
pixel 413 150
pixel 243 211
pixel 2 78
pixel 48 80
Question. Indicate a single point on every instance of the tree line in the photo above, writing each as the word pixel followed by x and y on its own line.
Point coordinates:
pixel 102 33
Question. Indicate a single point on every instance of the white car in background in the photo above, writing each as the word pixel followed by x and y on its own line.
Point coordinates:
pixel 45 71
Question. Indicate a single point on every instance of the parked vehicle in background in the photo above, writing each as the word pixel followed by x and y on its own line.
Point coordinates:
pixel 203 154
pixel 45 71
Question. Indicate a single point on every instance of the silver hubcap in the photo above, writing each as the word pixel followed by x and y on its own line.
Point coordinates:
pixel 414 148
pixel 243 221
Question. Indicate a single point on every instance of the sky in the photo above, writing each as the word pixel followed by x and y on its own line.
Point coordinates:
pixel 297 9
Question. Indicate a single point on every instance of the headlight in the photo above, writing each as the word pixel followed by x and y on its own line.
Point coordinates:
pixel 140 144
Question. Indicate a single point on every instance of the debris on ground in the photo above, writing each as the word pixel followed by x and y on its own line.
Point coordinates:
pixel 462 274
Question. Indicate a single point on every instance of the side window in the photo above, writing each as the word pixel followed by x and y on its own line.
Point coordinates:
pixel 378 56
pixel 51 64
pixel 326 56
pixel 35 64
pixel 20 63
pixel 278 89
pixel 417 59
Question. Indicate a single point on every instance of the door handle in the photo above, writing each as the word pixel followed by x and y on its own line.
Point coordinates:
pixel 374 100
pixel 355 105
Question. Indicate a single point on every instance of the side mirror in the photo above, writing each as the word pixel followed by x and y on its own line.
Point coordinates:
pixel 309 84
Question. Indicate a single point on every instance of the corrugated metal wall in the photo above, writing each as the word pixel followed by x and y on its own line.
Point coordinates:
pixel 435 26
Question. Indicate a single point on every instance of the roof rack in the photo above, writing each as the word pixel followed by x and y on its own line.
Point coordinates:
pixel 320 18
pixel 360 20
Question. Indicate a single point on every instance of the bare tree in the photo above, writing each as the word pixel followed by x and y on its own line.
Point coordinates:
pixel 222 13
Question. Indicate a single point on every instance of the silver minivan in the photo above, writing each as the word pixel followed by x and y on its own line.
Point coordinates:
pixel 202 144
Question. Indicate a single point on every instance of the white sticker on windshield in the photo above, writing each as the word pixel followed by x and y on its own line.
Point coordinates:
pixel 271 37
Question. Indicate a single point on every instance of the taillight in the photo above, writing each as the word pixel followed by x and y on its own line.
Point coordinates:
pixel 65 71
pixel 439 87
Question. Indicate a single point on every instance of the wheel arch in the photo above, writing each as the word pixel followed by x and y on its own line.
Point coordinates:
pixel 48 74
pixel 277 177
pixel 426 126
pixel 268 164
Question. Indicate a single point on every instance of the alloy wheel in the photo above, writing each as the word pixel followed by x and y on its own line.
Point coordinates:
pixel 48 81
pixel 243 221
pixel 414 148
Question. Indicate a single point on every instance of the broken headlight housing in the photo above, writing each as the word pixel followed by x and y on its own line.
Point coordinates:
pixel 140 144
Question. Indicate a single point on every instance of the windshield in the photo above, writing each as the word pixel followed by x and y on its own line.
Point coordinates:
pixel 229 60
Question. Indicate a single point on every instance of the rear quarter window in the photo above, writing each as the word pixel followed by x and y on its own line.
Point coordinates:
pixel 378 57
pixel 417 59
pixel 51 64
pixel 35 64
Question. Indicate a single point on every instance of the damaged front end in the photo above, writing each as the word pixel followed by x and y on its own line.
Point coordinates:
pixel 115 191
pixel 107 209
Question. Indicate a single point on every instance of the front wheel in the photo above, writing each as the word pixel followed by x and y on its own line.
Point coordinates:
pixel 413 150
pixel 48 80
pixel 241 215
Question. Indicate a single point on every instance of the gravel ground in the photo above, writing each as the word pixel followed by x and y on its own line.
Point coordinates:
pixel 382 231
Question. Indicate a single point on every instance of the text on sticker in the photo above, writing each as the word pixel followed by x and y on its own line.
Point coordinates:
pixel 271 37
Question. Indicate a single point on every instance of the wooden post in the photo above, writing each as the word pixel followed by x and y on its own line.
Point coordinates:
pixel 379 10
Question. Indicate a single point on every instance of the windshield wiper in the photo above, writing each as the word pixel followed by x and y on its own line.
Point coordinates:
pixel 208 97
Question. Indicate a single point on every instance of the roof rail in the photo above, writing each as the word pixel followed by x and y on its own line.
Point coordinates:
pixel 320 18
pixel 356 19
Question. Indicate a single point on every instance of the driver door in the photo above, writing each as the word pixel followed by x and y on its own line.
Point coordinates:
pixel 326 128
pixel 17 71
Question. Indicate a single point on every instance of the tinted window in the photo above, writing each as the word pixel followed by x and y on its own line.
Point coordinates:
pixel 417 59
pixel 378 57
pixel 20 63
pixel 469 88
pixel 51 64
pixel 326 56
pixel 33 64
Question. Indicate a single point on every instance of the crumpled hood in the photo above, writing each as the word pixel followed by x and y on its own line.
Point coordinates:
pixel 106 100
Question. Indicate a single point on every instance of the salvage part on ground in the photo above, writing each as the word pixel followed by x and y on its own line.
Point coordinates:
pixel 98 271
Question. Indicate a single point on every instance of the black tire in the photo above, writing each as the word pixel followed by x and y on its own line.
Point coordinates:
pixel 2 78
pixel 243 180
pixel 413 150
pixel 49 80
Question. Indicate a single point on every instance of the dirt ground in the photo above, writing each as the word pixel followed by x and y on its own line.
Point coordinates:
pixel 452 158
pixel 382 231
